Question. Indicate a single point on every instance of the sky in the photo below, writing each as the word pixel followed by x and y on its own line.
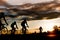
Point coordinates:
pixel 46 24
pixel 19 2
pixel 43 22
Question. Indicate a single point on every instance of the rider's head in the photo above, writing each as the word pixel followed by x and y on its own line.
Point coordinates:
pixel 15 22
pixel 2 13
pixel 25 19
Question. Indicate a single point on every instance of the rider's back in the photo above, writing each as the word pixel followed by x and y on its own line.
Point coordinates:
pixel 1 15
pixel 23 23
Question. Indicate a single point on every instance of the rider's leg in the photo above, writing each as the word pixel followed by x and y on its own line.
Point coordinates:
pixel 22 30
pixel 25 30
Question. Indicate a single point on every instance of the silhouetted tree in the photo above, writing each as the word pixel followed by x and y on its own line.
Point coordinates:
pixel 55 29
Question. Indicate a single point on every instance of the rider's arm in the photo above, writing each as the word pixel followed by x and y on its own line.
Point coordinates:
pixel 27 24
pixel 5 20
pixel 16 26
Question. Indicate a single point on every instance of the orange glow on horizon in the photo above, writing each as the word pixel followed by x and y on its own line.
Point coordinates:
pixel 51 35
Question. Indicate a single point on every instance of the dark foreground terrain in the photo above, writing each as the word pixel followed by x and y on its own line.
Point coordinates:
pixel 34 36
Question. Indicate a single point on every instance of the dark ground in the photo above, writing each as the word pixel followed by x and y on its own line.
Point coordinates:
pixel 33 36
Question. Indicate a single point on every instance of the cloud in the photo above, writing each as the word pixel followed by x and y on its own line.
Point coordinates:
pixel 19 2
pixel 35 15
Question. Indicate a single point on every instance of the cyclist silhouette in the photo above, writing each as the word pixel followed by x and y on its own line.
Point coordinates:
pixel 2 16
pixel 13 26
pixel 24 25
pixel 41 29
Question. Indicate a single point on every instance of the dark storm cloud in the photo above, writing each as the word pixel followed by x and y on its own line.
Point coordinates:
pixel 35 14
